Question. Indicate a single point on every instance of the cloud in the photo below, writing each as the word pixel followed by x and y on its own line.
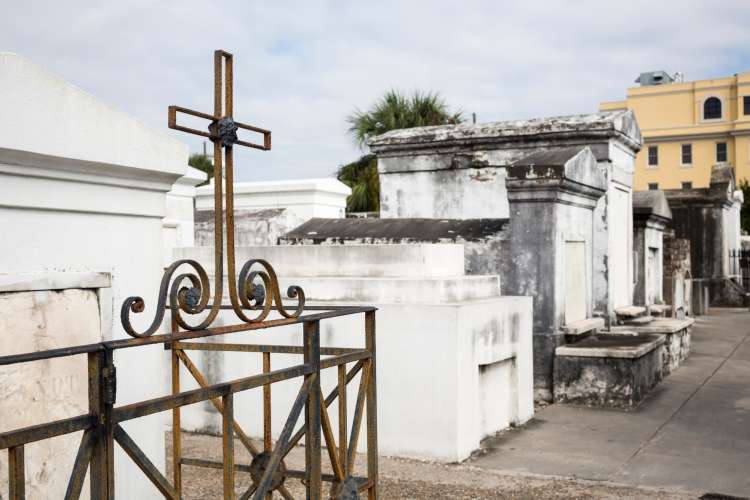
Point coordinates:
pixel 302 67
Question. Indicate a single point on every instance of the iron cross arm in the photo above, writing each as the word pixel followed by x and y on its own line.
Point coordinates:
pixel 214 132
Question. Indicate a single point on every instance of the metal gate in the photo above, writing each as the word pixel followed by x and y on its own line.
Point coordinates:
pixel 739 265
pixel 253 295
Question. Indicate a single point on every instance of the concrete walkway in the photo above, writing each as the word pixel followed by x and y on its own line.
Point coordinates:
pixel 692 432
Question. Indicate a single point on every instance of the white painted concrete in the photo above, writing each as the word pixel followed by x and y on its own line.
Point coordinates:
pixel 306 198
pixel 47 390
pixel 420 260
pixel 83 188
pixel 179 224
pixel 454 357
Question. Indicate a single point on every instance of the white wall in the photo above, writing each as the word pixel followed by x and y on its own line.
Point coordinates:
pixel 179 223
pixel 305 198
pixel 83 187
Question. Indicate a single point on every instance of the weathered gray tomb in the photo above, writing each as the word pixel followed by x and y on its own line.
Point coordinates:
pixel 462 171
pixel 707 218
pixel 651 217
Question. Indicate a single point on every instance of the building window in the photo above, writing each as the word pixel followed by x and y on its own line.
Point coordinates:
pixel 712 108
pixel 653 156
pixel 687 185
pixel 721 151
pixel 687 154
pixel 653 186
pixel 746 105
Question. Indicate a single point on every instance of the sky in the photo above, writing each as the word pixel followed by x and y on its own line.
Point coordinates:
pixel 301 68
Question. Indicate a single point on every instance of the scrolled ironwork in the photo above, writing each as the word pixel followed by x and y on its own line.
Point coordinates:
pixel 257 284
pixel 249 290
pixel 191 300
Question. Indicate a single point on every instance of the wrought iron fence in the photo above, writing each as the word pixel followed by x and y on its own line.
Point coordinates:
pixel 102 424
pixel 739 265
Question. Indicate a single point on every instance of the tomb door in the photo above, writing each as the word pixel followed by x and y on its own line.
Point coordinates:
pixel 575 281
pixel 652 276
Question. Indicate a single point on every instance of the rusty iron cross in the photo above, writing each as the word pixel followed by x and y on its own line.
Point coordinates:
pixel 257 286
pixel 222 131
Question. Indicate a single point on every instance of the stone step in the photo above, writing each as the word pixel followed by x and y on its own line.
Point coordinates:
pixel 659 310
pixel 377 261
pixel 390 290
pixel 630 311
pixel 583 326
pixel 639 321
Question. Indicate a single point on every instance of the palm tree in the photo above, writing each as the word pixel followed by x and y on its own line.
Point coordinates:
pixel 396 111
pixel 393 111
pixel 202 162
pixel 362 176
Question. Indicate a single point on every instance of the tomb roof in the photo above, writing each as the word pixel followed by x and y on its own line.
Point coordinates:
pixel 653 202
pixel 721 190
pixel 422 230
pixel 620 123
pixel 570 165
pixel 722 173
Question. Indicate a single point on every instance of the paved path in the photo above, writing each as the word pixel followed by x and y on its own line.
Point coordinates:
pixel 691 433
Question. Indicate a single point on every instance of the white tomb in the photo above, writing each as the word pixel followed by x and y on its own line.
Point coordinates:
pixel 83 188
pixel 454 356
pixel 304 198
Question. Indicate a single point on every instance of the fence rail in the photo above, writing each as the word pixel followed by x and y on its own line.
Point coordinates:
pixel 101 425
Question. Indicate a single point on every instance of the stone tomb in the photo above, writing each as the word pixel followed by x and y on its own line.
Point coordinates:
pixel 551 262
pixel 482 239
pixel 454 356
pixel 615 371
pixel 305 198
pixel 459 172
pixel 462 172
pixel 266 211
pixel 678 287
pixel 651 215
pixel 706 217
pixel 83 188
pixel 549 246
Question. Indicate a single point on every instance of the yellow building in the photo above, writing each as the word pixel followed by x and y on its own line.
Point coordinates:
pixel 687 127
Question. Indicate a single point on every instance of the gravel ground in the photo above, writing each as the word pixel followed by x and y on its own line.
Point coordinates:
pixel 410 479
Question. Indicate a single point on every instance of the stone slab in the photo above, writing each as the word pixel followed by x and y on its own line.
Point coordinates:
pixel 618 375
pixel 47 390
pixel 630 311
pixel 658 325
pixel 583 326
pixel 612 346
pixel 658 309
pixel 638 321
pixel 15 282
